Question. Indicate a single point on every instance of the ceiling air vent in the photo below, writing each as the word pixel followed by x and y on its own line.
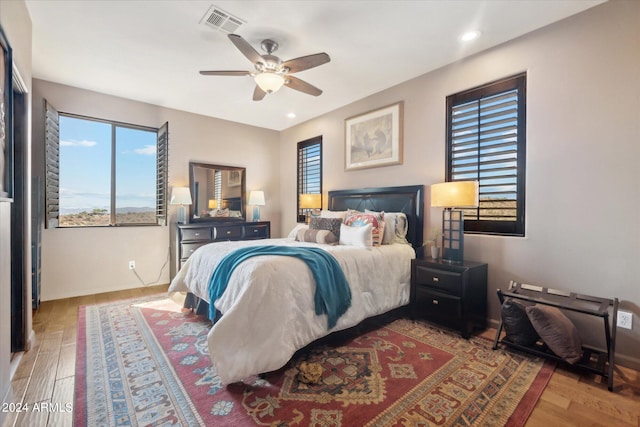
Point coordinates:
pixel 221 20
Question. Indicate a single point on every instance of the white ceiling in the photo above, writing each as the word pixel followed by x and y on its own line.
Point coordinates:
pixel 151 51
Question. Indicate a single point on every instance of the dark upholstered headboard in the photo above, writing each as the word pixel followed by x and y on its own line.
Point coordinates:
pixel 408 199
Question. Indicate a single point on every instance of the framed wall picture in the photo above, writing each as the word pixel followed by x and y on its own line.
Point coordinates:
pixel 374 139
pixel 6 140
pixel 235 178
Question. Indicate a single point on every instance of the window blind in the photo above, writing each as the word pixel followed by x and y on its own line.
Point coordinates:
pixel 217 185
pixel 486 144
pixel 309 170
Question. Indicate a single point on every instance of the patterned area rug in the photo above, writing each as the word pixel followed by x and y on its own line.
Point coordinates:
pixel 146 363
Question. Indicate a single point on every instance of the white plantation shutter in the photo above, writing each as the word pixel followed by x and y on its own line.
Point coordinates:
pixel 486 143
pixel 162 173
pixel 52 166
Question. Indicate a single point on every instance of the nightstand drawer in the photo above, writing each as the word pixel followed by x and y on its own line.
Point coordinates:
pixel 228 233
pixel 438 306
pixel 256 232
pixel 439 279
pixel 186 249
pixel 196 234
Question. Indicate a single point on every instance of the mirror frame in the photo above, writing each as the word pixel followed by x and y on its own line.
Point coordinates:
pixel 243 180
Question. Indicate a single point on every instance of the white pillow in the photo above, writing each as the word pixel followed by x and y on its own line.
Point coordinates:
pixel 294 232
pixel 333 214
pixel 356 236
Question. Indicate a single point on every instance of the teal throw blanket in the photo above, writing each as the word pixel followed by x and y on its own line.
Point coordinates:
pixel 332 296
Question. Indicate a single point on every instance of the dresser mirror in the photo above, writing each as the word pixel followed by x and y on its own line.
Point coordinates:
pixel 218 192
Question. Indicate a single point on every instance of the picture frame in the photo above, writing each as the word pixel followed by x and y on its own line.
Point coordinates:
pixel 374 138
pixel 6 103
pixel 235 178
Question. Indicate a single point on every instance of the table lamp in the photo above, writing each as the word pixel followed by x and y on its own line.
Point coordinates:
pixel 256 198
pixel 450 195
pixel 309 202
pixel 181 196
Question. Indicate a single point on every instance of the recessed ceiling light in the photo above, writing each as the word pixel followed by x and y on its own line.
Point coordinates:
pixel 470 35
pixel 291 115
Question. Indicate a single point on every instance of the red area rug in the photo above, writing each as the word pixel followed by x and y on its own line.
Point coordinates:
pixel 146 363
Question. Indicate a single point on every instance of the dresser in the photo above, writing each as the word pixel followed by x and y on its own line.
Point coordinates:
pixel 454 295
pixel 191 236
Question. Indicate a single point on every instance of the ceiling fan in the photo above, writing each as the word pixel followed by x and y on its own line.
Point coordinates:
pixel 271 73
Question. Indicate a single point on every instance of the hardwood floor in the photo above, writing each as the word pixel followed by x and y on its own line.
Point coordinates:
pixel 45 376
pixel 576 399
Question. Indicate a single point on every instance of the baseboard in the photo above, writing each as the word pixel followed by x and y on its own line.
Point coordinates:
pixel 16 358
pixel 628 361
pixel 96 291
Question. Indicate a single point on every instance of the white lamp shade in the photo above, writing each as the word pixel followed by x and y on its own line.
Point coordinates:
pixel 180 196
pixel 269 82
pixel 456 194
pixel 256 198
pixel 310 201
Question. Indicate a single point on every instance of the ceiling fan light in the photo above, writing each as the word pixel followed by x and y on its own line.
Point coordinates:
pixel 269 82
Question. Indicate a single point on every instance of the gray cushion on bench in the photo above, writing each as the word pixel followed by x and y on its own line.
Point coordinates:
pixel 557 331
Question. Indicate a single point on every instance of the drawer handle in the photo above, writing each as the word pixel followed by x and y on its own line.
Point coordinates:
pixel 191 251
pixel 228 232
pixel 255 231
pixel 436 279
pixel 197 234
pixel 435 301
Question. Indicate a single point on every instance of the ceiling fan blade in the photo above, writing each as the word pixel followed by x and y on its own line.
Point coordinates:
pixel 301 85
pixel 246 49
pixel 225 73
pixel 258 94
pixel 306 62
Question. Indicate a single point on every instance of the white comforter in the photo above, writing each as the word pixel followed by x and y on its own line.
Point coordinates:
pixel 268 309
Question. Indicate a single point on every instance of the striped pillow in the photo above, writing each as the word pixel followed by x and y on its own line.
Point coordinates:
pixel 324 237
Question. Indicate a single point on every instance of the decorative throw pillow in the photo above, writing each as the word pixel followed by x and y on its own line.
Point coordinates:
pixel 517 326
pixel 324 237
pixel 377 224
pixel 356 236
pixel 294 232
pixel 395 227
pixel 333 214
pixel 222 213
pixel 557 331
pixel 331 224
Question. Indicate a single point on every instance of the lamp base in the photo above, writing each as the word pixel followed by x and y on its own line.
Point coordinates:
pixel 453 235
pixel 256 213
pixel 182 215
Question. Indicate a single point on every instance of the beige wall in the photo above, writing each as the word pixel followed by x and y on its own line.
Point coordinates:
pixel 76 261
pixel 16 24
pixel 583 148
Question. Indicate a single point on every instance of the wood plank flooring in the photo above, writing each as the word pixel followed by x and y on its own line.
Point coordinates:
pixel 45 376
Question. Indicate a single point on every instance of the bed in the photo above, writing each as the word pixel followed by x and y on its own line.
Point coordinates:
pixel 268 305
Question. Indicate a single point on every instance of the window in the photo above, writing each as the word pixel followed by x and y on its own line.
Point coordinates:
pixel 486 136
pixel 309 173
pixel 102 173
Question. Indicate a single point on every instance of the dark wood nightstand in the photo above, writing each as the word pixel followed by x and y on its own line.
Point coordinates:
pixel 454 295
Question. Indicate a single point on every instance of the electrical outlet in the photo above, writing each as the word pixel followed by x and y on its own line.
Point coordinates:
pixel 625 319
pixel 132 265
